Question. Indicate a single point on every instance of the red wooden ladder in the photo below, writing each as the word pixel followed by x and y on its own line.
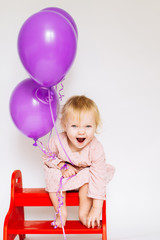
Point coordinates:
pixel 15 223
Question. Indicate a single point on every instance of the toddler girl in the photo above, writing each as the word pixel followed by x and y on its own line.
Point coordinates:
pixel 90 173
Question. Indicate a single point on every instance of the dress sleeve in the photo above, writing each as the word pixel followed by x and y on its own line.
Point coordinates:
pixel 100 174
pixel 51 158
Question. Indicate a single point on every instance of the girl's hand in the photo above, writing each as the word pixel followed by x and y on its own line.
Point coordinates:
pixel 66 173
pixel 93 218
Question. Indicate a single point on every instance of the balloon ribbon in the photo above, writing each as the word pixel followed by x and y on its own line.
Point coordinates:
pixel 53 156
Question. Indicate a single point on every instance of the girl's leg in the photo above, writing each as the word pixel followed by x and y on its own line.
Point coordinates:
pixel 54 200
pixel 85 204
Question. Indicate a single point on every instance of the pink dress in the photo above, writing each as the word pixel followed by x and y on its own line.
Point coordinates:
pixel 90 163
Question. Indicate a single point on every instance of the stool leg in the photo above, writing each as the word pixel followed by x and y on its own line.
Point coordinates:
pixel 104 225
pixel 14 213
pixel 22 236
pixel 104 234
pixel 9 237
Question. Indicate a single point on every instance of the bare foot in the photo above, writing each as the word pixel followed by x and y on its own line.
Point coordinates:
pixel 85 204
pixel 93 218
pixel 59 221
pixel 63 210
pixel 83 218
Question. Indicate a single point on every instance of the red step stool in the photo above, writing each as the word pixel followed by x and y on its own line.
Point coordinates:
pixel 15 223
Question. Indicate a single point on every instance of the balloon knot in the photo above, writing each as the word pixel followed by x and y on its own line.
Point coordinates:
pixel 35 143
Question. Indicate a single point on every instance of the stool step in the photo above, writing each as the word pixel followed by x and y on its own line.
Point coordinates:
pixel 39 197
pixel 44 227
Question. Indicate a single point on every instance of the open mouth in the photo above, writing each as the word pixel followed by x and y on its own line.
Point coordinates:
pixel 80 140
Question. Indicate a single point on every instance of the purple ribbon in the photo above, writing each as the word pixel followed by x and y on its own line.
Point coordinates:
pixel 60 90
pixel 60 202
pixel 53 156
pixel 50 106
pixel 65 166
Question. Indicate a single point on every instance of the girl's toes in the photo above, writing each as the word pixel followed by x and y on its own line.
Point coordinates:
pixel 53 224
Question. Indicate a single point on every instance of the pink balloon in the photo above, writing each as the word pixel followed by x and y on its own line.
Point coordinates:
pixel 65 14
pixel 47 46
pixel 30 110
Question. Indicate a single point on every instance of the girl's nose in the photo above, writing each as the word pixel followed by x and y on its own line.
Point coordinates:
pixel 81 130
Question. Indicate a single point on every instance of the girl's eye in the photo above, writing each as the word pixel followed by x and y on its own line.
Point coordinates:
pixel 74 126
pixel 88 126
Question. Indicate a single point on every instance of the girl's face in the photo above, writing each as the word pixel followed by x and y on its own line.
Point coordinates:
pixel 80 131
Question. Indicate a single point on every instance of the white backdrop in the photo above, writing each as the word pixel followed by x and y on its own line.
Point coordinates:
pixel 118 65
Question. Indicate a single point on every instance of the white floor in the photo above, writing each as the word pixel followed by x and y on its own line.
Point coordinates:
pixel 87 237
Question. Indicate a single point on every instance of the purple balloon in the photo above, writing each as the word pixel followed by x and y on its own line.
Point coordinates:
pixel 47 46
pixel 65 14
pixel 30 110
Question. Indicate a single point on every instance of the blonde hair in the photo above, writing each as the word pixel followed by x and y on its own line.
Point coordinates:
pixel 77 105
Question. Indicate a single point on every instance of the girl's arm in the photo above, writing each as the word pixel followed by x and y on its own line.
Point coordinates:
pixel 50 158
pixel 52 162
